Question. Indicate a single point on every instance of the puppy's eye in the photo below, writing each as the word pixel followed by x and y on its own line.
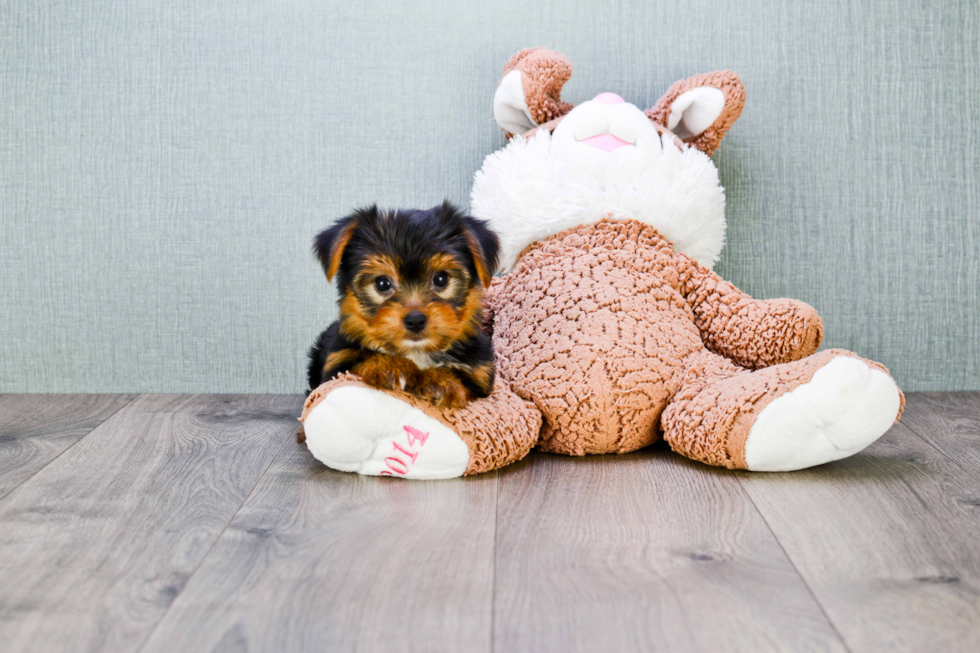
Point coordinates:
pixel 440 280
pixel 382 284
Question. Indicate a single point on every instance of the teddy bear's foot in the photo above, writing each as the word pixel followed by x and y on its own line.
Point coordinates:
pixel 790 416
pixel 843 408
pixel 355 428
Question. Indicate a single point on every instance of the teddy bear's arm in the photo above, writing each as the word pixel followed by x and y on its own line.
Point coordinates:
pixel 753 333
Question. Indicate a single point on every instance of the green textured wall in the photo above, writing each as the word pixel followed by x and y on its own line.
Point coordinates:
pixel 163 166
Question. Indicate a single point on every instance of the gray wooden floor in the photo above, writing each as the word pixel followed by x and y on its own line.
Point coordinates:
pixel 197 523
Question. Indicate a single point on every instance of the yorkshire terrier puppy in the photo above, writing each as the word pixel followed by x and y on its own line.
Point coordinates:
pixel 411 294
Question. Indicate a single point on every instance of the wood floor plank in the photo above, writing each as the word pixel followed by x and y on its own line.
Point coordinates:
pixel 36 429
pixel 642 552
pixel 888 542
pixel 95 546
pixel 318 560
pixel 949 421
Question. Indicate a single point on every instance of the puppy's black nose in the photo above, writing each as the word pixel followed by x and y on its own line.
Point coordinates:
pixel 415 321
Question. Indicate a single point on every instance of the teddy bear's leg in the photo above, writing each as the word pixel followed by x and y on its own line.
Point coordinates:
pixel 791 416
pixel 355 428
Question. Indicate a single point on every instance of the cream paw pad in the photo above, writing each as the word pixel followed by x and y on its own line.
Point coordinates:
pixel 359 429
pixel 846 406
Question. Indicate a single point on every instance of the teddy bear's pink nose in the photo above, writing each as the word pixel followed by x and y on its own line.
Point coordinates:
pixel 608 98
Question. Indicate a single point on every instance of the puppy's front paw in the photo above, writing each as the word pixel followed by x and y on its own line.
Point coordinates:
pixel 388 372
pixel 442 388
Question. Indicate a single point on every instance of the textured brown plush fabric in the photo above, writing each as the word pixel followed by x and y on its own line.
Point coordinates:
pixel 497 430
pixel 750 332
pixel 543 73
pixel 592 327
pixel 604 327
pixel 728 83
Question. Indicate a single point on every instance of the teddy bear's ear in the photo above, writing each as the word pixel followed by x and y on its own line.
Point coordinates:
pixel 700 109
pixel 529 94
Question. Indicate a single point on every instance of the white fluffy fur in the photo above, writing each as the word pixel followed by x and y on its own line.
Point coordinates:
pixel 536 187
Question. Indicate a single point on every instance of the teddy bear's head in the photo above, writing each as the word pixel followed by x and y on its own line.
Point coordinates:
pixel 571 165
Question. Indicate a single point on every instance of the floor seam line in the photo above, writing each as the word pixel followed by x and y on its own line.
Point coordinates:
pixel 207 555
pixel 71 446
pixel 796 569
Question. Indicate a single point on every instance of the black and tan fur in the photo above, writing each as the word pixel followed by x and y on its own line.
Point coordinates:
pixel 396 271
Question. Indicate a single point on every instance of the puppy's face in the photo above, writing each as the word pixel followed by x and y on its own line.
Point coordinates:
pixel 421 304
pixel 409 281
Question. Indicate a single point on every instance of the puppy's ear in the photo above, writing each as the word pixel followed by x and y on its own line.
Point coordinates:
pixel 484 246
pixel 329 245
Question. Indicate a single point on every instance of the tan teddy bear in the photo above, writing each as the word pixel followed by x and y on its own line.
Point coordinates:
pixel 609 327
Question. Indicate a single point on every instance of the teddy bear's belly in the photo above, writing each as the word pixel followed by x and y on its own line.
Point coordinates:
pixel 597 347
